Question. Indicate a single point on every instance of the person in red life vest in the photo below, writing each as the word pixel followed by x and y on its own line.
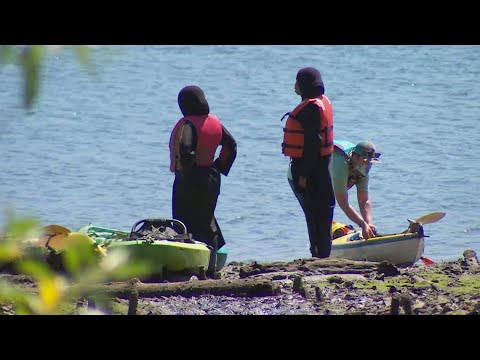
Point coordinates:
pixel 193 144
pixel 308 141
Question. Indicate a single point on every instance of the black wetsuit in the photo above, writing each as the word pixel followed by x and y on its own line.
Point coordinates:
pixel 196 188
pixel 317 199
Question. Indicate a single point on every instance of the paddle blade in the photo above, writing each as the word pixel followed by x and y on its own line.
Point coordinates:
pixel 47 233
pixel 430 218
pixel 61 242
pixel 55 230
pixel 427 261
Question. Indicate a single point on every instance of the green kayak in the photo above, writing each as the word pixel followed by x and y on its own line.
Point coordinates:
pixel 172 252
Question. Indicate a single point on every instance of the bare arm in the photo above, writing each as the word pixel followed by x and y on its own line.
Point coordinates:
pixel 352 214
pixel 365 206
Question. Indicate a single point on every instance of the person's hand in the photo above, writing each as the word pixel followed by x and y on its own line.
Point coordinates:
pixel 374 229
pixel 367 231
pixel 302 182
pixel 217 165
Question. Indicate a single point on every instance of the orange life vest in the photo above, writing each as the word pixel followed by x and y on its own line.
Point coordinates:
pixel 209 136
pixel 293 132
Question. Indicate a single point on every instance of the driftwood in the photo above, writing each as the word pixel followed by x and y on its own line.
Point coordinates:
pixel 323 266
pixel 470 259
pixel 240 287
pixel 403 300
pixel 133 298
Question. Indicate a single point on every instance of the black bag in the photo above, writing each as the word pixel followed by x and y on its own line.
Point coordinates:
pixel 160 229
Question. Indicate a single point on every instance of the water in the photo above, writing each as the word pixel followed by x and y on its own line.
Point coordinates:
pixel 94 149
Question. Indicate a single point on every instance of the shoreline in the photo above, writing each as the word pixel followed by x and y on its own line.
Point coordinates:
pixel 307 286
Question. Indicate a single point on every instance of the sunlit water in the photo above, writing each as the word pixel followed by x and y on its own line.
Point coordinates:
pixel 94 149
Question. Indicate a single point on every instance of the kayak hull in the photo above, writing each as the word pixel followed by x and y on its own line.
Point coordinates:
pixel 164 256
pixel 160 256
pixel 401 249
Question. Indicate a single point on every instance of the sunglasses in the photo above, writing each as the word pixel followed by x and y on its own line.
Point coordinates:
pixel 370 155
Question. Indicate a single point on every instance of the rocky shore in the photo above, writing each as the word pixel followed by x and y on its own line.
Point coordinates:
pixel 301 287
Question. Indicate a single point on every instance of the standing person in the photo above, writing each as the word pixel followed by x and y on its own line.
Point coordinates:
pixel 193 143
pixel 351 166
pixel 308 141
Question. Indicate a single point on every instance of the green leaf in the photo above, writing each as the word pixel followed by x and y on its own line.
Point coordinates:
pixel 31 57
pixel 10 292
pixel 36 269
pixel 83 54
pixel 18 228
pixel 7 54
pixel 134 268
pixel 79 257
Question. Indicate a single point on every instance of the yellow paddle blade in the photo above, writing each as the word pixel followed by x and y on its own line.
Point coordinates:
pixel 60 242
pixel 55 229
pixel 53 233
pixel 430 218
pixel 46 234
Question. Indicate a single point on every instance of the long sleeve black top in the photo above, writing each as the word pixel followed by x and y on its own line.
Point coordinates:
pixel 308 118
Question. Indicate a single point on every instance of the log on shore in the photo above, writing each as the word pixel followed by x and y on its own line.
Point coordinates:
pixel 240 287
pixel 325 266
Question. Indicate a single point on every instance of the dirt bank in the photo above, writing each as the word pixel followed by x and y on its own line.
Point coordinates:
pixel 302 287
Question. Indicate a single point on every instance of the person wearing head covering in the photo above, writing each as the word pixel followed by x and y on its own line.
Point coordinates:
pixel 308 141
pixel 351 166
pixel 193 144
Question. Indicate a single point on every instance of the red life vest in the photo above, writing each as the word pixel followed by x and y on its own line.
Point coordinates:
pixel 293 133
pixel 209 136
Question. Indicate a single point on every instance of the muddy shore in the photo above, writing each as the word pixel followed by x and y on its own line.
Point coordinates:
pixel 301 287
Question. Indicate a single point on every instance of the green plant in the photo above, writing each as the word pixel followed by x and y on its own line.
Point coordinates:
pixel 56 288
pixel 30 59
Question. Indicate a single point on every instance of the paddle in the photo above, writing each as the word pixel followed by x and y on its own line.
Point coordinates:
pixel 429 218
pixel 46 234
pixel 57 237
pixel 427 261
pixel 60 242
pixel 53 232
pixel 55 229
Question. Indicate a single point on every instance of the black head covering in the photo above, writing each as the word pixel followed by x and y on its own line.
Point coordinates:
pixel 192 101
pixel 310 82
